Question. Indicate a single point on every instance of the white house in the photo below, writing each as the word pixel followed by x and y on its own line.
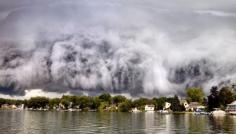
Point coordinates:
pixel 149 108
pixel 166 108
pixel 135 110
pixel 167 105
pixel 193 106
pixel 185 104
pixel 231 108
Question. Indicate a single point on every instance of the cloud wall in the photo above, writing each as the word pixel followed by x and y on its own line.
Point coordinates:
pixel 135 47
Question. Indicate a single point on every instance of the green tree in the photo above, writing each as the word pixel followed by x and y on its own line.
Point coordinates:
pixel 105 97
pixel 65 103
pixel 141 102
pixel 159 102
pixel 213 99
pixel 195 94
pixel 125 106
pixel 95 103
pixel 84 101
pixel 103 106
pixel 2 101
pixel 68 98
pixel 38 102
pixel 175 103
pixel 54 102
pixel 225 96
pixel 118 99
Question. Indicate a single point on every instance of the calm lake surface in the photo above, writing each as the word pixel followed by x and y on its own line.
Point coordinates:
pixel 46 122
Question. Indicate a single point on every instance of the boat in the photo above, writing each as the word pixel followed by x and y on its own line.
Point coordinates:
pixel 218 112
pixel 164 112
pixel 231 108
pixel 71 110
pixel 166 109
pixel 200 111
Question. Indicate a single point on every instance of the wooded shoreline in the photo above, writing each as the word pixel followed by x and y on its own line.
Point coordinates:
pixel 119 103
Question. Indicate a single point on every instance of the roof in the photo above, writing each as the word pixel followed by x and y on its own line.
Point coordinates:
pixel 183 101
pixel 233 103
pixel 194 104
pixel 150 105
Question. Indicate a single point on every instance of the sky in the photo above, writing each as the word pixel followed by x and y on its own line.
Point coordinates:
pixel 135 47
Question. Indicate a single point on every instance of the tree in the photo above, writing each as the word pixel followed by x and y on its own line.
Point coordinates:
pixel 125 106
pixel 118 99
pixel 65 103
pixel 2 101
pixel 95 103
pixel 38 102
pixel 195 95
pixel 141 102
pixel 103 106
pixel 175 103
pixel 225 96
pixel 105 97
pixel 84 101
pixel 54 103
pixel 213 98
pixel 159 102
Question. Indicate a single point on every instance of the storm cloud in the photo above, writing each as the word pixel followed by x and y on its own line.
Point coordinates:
pixel 128 46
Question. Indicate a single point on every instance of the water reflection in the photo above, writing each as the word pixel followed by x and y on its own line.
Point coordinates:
pixel 18 122
pixel 225 124
pixel 149 121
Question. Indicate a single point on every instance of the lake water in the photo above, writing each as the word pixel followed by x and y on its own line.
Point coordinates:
pixel 46 122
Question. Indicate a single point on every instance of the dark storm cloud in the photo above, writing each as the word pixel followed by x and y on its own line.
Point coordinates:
pixel 137 47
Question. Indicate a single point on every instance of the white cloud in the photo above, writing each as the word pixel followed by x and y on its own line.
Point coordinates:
pixel 35 93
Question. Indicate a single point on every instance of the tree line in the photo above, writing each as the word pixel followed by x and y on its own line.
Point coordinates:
pixel 106 102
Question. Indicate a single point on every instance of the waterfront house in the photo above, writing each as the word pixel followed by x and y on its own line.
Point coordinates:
pixel 135 110
pixel 13 106
pixel 61 106
pixel 167 106
pixel 111 108
pixel 193 106
pixel 7 106
pixel 149 108
pixel 21 107
pixel 231 108
pixel 185 104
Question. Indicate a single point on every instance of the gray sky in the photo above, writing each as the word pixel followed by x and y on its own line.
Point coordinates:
pixel 147 41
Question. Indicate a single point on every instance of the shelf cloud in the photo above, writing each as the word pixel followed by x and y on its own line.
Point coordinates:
pixel 136 47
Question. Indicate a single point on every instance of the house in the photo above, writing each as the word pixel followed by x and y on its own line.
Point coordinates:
pixel 61 106
pixel 111 108
pixel 21 107
pixel 135 110
pixel 185 104
pixel 7 106
pixel 193 106
pixel 231 108
pixel 149 108
pixel 167 106
pixel 13 106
